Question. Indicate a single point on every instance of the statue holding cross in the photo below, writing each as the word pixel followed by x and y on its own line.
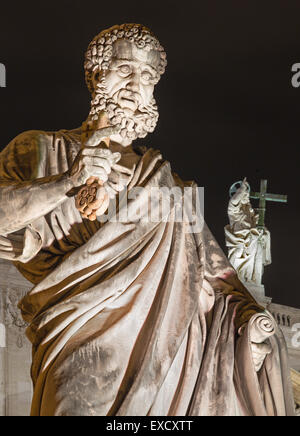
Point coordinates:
pixel 247 238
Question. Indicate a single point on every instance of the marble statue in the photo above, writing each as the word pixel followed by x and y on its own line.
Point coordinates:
pixel 128 317
pixel 249 247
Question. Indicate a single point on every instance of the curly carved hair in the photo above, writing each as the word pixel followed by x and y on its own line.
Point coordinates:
pixel 100 50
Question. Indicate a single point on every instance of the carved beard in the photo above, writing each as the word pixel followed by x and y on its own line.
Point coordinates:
pixel 135 124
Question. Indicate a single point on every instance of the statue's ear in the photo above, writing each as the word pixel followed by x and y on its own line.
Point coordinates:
pixel 92 78
pixel 95 78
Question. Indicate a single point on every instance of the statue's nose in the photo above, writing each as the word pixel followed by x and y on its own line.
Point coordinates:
pixel 134 83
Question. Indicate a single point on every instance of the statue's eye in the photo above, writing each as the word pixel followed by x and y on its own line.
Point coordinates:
pixel 124 69
pixel 147 76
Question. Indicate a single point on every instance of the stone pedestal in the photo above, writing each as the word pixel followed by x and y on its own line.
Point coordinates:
pixel 15 349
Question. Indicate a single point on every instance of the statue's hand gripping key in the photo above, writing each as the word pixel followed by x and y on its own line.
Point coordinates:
pixel 91 168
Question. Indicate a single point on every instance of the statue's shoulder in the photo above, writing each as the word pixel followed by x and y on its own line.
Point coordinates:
pixel 27 137
pixel 20 157
pixel 32 149
pixel 29 141
pixel 23 147
pixel 43 137
pixel 46 143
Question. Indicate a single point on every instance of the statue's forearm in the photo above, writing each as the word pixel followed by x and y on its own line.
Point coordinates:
pixel 22 203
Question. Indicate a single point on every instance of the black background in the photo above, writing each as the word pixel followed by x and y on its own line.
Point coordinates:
pixel 227 106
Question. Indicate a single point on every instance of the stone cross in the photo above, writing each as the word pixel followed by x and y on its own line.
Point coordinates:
pixel 263 196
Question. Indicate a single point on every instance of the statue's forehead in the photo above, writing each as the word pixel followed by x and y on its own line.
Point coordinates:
pixel 123 49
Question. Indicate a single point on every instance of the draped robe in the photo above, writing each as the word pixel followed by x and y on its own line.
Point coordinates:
pixel 134 317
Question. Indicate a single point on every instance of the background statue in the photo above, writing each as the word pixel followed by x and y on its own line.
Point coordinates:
pixel 128 317
pixel 249 247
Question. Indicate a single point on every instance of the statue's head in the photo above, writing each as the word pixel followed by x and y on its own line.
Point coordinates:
pixel 122 66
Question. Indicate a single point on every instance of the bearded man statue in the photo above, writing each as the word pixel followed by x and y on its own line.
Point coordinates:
pixel 133 316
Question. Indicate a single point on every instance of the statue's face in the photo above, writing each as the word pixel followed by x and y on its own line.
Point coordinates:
pixel 129 85
pixel 132 75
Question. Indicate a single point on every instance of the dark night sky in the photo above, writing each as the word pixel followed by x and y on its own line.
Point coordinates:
pixel 227 107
